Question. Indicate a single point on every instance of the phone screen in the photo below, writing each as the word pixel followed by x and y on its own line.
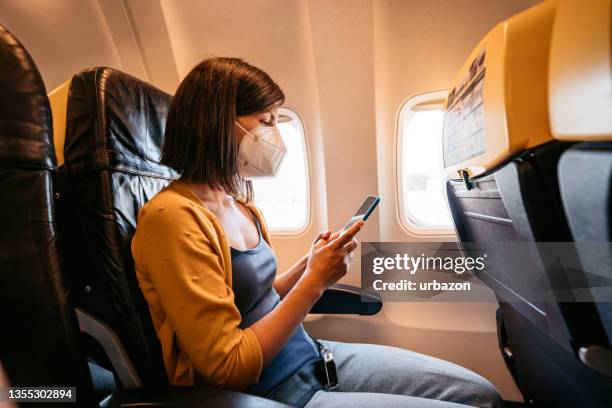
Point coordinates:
pixel 364 210
pixel 369 202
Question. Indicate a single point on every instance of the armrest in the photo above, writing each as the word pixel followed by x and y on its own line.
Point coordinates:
pixel 347 299
pixel 186 397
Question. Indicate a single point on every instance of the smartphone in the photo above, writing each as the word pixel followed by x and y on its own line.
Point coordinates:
pixel 369 204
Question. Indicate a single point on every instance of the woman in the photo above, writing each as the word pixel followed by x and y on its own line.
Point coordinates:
pixel 205 264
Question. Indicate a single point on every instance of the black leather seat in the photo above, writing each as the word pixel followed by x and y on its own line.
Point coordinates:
pixel 39 342
pixel 114 127
pixel 115 124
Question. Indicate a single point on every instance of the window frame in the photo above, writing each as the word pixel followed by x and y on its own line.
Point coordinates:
pixel 406 110
pixel 286 111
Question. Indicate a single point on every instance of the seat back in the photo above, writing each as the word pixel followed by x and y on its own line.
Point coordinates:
pixel 580 97
pixel 39 344
pixel 114 129
pixel 502 160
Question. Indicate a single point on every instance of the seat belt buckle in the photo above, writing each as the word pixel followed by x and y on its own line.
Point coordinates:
pixel 330 369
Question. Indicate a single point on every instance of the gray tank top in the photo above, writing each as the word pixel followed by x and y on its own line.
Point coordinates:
pixel 253 273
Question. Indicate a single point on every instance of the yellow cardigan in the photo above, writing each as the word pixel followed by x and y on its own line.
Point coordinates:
pixel 184 269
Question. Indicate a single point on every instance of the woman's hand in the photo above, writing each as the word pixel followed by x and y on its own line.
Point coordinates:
pixel 285 281
pixel 329 258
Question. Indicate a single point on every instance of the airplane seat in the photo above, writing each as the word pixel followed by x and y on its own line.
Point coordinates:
pixel 39 343
pixel 501 160
pixel 580 98
pixel 113 130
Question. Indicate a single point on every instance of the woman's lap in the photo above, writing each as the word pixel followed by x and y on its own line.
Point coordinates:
pixel 404 378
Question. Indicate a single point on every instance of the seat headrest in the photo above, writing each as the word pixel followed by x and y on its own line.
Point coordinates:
pixel 115 122
pixel 26 137
pixel 580 85
pixel 497 106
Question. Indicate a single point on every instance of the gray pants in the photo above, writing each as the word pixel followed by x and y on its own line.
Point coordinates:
pixel 384 377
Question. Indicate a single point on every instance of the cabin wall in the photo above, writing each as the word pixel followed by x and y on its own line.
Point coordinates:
pixel 63 36
pixel 346 66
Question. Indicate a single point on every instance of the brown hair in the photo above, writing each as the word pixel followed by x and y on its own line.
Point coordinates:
pixel 200 140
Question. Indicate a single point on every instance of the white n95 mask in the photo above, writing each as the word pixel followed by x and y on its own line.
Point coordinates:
pixel 261 152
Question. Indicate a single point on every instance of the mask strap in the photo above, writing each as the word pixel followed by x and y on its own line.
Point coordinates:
pixel 241 127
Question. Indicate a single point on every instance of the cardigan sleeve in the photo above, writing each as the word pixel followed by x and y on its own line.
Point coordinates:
pixel 189 279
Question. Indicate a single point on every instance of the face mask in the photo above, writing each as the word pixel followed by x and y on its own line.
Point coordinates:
pixel 261 152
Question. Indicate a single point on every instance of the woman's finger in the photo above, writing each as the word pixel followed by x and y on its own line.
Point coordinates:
pixel 325 235
pixel 350 246
pixel 334 235
pixel 347 235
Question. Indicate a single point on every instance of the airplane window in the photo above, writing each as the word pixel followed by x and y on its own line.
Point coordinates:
pixel 423 204
pixel 284 199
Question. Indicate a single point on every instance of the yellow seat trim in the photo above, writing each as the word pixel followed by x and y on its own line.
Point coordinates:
pixel 58 99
